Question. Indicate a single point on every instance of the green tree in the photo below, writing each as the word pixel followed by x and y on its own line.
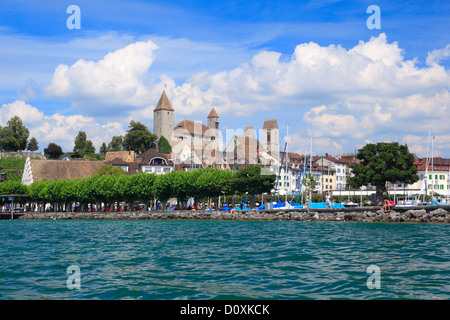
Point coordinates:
pixel 13 187
pixel 32 144
pixel 53 150
pixel 380 163
pixel 103 148
pixel 107 189
pixel 250 179
pixel 14 136
pixel 164 145
pixel 138 138
pixel 89 147
pixel 35 191
pixel 163 188
pixel 310 184
pixel 109 170
pixel 116 144
pixel 80 142
pixel 183 183
pixel 68 192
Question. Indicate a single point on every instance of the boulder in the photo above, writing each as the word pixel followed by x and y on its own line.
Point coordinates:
pixel 438 212
pixel 416 213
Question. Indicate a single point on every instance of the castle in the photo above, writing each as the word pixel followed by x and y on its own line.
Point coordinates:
pixel 193 142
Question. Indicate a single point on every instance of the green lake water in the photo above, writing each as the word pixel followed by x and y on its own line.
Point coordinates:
pixel 175 259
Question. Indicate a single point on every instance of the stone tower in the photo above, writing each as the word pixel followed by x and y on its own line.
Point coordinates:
pixel 213 122
pixel 163 118
pixel 271 138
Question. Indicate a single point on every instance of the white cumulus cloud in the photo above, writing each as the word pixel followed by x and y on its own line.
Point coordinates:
pixel 58 128
pixel 119 79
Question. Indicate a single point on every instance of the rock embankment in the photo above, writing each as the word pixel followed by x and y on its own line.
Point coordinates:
pixel 370 214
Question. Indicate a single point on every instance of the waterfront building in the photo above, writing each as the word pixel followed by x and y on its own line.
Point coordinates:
pixel 126 156
pixel 336 171
pixel 187 135
pixel 435 178
pixel 38 170
pixel 196 145
pixel 151 161
pixel 248 150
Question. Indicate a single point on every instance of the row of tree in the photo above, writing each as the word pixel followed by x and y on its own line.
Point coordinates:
pixel 138 139
pixel 109 187
pixel 14 137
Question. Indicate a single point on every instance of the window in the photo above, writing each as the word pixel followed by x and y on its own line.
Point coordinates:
pixel 331 180
pixel 166 169
pixel 435 176
pixel 441 177
pixel 157 161
pixel 268 137
pixel 217 125
pixel 430 177
pixel 442 187
pixel 157 169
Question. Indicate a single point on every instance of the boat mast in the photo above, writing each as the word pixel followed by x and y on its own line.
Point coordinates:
pixel 287 163
pixel 277 190
pixel 310 172
pixel 432 168
pixel 425 196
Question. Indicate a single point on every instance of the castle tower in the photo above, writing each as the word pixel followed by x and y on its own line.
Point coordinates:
pixel 163 116
pixel 213 122
pixel 249 132
pixel 271 138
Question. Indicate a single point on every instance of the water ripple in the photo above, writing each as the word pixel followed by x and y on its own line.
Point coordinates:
pixel 223 260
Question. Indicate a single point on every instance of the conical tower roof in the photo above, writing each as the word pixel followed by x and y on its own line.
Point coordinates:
pixel 213 114
pixel 164 103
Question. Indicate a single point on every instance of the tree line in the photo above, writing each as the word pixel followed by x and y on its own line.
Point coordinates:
pixel 144 188
pixel 15 136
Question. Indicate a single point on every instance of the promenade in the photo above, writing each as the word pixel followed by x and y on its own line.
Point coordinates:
pixel 427 214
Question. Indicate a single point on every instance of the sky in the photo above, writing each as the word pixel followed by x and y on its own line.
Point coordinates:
pixel 315 66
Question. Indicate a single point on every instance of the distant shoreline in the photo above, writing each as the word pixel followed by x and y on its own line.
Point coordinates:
pixel 429 214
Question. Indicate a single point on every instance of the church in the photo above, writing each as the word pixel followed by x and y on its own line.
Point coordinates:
pixel 194 143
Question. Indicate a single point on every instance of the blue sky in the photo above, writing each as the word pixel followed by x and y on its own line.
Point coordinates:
pixel 313 65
